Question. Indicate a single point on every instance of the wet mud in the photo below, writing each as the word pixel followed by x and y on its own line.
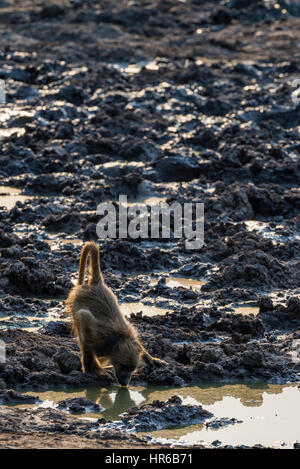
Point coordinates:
pixel 162 101
pixel 163 414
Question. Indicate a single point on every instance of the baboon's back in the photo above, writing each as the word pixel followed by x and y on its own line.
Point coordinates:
pixel 98 299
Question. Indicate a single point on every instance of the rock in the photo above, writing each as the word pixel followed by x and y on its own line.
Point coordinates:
pixel 52 11
pixel 160 414
pixel 27 275
pixel 224 422
pixel 265 304
pixel 60 328
pixel 221 16
pixel 79 405
pixel 216 443
pixel 9 396
pixel 67 361
pixel 252 359
pixel 244 3
pixel 2 384
pixel 20 74
pixel 72 94
pixel 56 424
pixel 293 306
pixel 27 92
pixel 176 168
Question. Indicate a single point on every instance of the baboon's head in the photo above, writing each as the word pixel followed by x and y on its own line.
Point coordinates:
pixel 126 359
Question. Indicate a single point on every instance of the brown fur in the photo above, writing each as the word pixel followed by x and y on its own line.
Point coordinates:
pixel 104 334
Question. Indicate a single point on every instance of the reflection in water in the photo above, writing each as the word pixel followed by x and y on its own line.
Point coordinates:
pixel 250 394
pixel 116 399
pixel 270 412
pixel 115 402
pixel 273 423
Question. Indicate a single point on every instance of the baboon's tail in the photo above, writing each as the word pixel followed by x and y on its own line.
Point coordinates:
pixel 95 275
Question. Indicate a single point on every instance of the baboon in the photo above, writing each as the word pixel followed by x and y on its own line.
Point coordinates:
pixel 105 336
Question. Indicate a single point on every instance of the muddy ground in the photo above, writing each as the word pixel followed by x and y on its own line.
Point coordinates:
pixel 181 101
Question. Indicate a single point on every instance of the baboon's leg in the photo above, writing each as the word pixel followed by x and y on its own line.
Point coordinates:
pixel 86 323
pixel 88 362
pixel 103 368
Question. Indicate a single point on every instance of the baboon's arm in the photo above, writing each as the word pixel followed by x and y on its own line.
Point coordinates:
pixel 149 359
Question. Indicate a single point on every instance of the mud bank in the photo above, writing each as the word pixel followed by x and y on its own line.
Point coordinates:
pixel 29 428
pixel 211 415
pixel 196 343
pixel 163 414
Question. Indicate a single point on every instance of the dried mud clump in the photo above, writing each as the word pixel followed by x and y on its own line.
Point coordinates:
pixel 160 414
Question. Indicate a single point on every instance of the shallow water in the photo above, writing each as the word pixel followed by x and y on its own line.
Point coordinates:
pixel 147 310
pixel 277 232
pixel 246 310
pixel 132 69
pixel 173 282
pixel 26 323
pixel 9 196
pixel 146 200
pixel 31 323
pixel 270 412
pixel 56 243
pixel 272 420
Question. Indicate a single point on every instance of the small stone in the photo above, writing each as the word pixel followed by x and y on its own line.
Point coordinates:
pixel 265 304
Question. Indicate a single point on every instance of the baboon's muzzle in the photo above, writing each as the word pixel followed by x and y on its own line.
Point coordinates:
pixel 123 378
pixel 123 375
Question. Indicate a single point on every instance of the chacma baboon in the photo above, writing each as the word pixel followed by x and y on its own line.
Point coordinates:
pixel 104 334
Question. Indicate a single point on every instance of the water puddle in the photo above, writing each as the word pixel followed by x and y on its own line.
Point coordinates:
pixel 133 69
pixel 146 200
pixel 270 413
pixel 5 133
pixel 14 118
pixel 276 232
pixel 147 310
pixel 174 282
pixel 246 309
pixel 56 243
pixel 272 420
pixel 27 323
pixel 32 323
pixel 9 196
